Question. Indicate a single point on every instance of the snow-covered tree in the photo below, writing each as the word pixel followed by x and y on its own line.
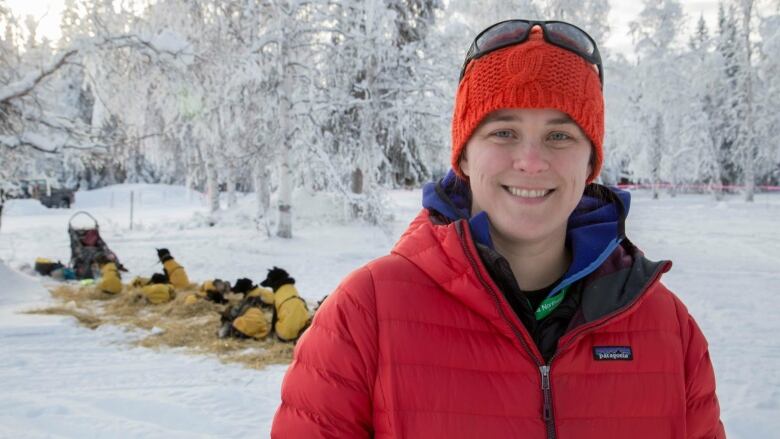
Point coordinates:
pixel 28 114
pixel 768 99
pixel 745 145
pixel 654 32
pixel 479 15
pixel 590 15
pixel 354 97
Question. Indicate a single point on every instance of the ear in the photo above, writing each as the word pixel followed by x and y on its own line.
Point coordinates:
pixel 591 160
pixel 464 163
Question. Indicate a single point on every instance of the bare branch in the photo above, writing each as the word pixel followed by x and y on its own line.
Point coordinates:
pixel 42 144
pixel 26 85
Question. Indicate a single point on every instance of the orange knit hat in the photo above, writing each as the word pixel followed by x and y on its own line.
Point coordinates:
pixel 532 74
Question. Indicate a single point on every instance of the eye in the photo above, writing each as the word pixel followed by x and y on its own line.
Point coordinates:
pixel 502 134
pixel 559 136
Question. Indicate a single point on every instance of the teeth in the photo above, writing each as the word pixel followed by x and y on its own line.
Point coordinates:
pixel 528 193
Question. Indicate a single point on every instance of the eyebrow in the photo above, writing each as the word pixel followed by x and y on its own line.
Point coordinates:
pixel 560 121
pixel 501 117
pixel 511 117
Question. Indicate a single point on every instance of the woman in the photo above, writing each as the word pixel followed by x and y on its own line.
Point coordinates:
pixel 513 306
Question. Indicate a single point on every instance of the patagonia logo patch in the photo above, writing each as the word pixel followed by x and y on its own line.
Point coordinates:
pixel 612 353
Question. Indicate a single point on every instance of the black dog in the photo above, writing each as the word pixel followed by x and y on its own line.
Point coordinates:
pixel 159 278
pixel 216 297
pixel 276 278
pixel 217 293
pixel 164 254
pixel 243 286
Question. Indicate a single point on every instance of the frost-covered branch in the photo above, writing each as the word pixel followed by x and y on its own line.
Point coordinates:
pixel 21 88
pixel 44 144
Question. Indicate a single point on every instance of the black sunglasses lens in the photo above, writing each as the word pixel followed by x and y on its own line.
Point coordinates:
pixel 569 36
pixel 472 51
pixel 516 31
pixel 502 34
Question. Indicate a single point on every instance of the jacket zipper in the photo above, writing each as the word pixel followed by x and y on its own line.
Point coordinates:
pixel 547 410
pixel 545 369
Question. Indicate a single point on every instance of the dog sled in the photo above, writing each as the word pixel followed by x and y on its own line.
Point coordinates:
pixel 86 245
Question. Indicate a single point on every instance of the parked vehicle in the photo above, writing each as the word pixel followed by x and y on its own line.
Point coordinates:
pixel 45 190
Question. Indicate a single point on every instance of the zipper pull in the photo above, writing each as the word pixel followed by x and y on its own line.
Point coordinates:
pixel 547 411
pixel 545 369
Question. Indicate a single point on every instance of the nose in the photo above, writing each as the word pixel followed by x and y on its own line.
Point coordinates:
pixel 530 158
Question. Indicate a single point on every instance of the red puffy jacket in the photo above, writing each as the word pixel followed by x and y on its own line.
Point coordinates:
pixel 421 344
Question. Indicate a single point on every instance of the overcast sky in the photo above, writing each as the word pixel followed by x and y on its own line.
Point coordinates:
pixel 622 12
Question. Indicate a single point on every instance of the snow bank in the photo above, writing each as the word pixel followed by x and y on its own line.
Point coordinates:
pixel 309 209
pixel 18 287
pixel 143 196
pixel 24 207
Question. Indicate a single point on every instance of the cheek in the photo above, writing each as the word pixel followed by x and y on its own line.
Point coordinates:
pixel 489 161
pixel 479 183
pixel 572 197
pixel 483 174
pixel 580 176
pixel 574 169
pixel 579 165
pixel 577 183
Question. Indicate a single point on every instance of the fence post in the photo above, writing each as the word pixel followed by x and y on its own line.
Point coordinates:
pixel 132 201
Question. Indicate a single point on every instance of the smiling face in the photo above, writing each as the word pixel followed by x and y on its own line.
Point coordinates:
pixel 527 170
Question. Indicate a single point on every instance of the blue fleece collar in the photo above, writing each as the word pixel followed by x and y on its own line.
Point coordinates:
pixel 592 232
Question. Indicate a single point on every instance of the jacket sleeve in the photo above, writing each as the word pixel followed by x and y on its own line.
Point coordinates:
pixel 703 411
pixel 327 390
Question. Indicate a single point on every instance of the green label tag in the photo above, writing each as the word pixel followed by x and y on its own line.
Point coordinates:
pixel 549 304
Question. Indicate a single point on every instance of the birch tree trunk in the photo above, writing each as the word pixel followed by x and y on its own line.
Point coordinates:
pixel 749 159
pixel 363 175
pixel 188 184
pixel 284 227
pixel 368 140
pixel 231 186
pixel 262 194
pixel 656 154
pixel 188 179
pixel 716 182
pixel 212 189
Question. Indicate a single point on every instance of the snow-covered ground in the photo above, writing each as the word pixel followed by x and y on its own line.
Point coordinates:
pixel 59 379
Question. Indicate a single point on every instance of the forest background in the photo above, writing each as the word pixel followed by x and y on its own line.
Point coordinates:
pixel 354 97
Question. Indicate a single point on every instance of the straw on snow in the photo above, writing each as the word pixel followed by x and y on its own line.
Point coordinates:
pixel 171 325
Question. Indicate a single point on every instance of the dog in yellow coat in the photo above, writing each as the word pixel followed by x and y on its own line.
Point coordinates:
pixel 177 276
pixel 291 314
pixel 158 293
pixel 110 281
pixel 250 318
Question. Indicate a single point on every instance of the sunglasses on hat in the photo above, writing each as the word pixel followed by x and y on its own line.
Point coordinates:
pixel 558 33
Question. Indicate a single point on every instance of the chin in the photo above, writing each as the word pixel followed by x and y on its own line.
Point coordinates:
pixel 521 231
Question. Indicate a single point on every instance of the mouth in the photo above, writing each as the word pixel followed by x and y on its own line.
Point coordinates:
pixel 528 193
